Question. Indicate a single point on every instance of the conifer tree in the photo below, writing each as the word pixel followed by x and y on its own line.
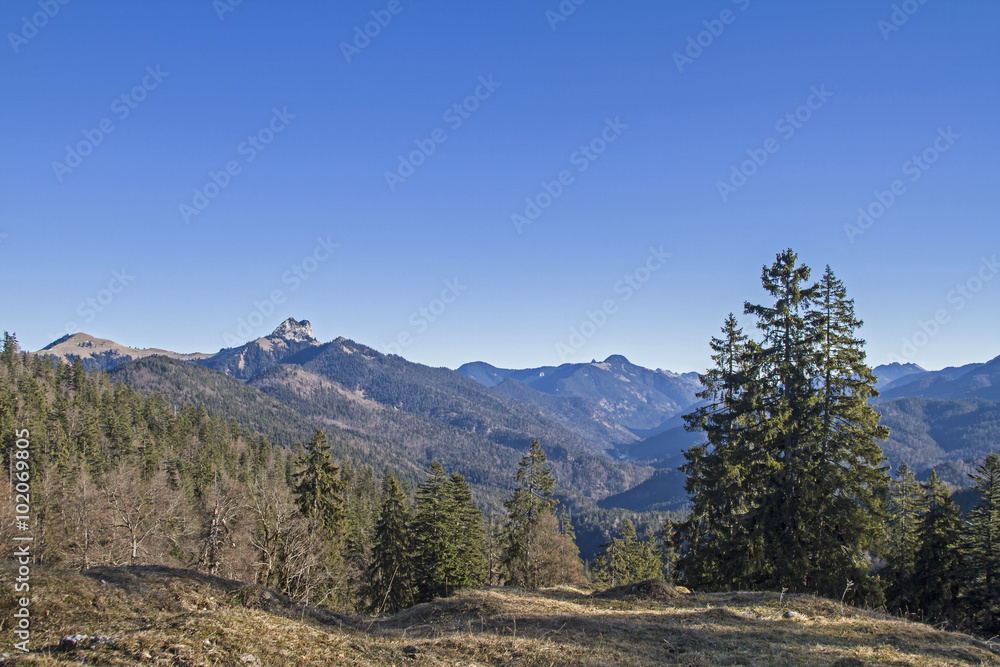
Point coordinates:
pixel 937 580
pixel 531 499
pixel 627 559
pixel 537 551
pixel 788 490
pixel 667 551
pixel 390 580
pixel 845 482
pixel 317 484
pixel 907 505
pixel 724 475
pixel 465 556
pixel 430 536
pixel 982 548
pixel 648 563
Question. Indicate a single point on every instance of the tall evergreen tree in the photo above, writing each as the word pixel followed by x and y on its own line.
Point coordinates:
pixel 317 484
pixel 724 475
pixel 907 505
pixel 788 490
pixel 537 551
pixel 390 580
pixel 465 555
pixel 982 548
pixel 937 578
pixel 431 535
pixel 531 499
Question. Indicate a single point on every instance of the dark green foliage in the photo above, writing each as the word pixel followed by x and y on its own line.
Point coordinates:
pixel 907 505
pixel 447 537
pixel 788 491
pixel 390 579
pixel 628 559
pixel 937 583
pixel 318 485
pixel 982 549
pixel 466 567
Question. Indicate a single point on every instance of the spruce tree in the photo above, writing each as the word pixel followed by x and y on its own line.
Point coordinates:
pixel 627 559
pixel 666 550
pixel 431 535
pixel 318 486
pixel 788 490
pixel 907 505
pixel 648 563
pixel 937 578
pixel 724 475
pixel 390 581
pixel 465 557
pixel 531 499
pixel 539 550
pixel 845 480
pixel 982 548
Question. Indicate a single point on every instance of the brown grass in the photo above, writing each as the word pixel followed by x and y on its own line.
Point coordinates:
pixel 161 616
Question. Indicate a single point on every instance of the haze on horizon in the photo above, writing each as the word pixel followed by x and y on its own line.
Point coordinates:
pixel 477 183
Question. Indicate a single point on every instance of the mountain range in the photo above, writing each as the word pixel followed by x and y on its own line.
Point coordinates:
pixel 614 430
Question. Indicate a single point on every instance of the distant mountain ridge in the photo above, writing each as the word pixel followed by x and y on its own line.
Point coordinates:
pixel 606 424
pixel 103 354
pixel 624 395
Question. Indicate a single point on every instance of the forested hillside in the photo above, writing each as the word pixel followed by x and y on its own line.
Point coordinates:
pixel 122 477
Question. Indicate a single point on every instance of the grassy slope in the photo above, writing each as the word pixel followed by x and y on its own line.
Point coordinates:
pixel 177 617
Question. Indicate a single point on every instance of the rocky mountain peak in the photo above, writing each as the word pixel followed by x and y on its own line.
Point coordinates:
pixel 290 330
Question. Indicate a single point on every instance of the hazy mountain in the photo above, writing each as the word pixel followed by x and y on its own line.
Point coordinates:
pixel 602 423
pixel 635 398
pixel 437 393
pixel 258 355
pixel 577 414
pixel 383 411
pixel 969 381
pixel 663 491
pixel 889 373
pixel 104 354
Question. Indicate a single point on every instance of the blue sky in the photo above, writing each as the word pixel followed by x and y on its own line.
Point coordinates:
pixel 641 108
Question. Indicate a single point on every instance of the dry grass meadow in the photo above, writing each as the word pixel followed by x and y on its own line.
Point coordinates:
pixel 159 616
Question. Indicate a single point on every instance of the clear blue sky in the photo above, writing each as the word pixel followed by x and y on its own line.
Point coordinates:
pixel 189 279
